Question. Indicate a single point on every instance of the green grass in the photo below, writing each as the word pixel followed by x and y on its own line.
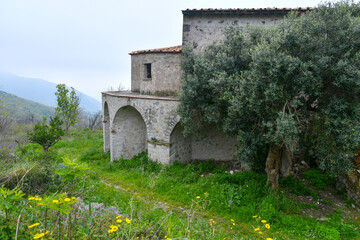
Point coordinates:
pixel 163 200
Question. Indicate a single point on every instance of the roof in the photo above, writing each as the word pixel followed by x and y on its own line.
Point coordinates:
pixel 244 11
pixel 175 49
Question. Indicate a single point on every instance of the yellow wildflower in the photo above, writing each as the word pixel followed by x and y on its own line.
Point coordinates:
pixel 40 204
pixel 255 216
pixel 119 221
pixel 127 220
pixel 114 228
pixel 260 232
pixel 232 220
pixel 269 239
pixel 263 221
pixel 55 201
pixel 31 198
pixel 39 235
pixel 197 197
pixel 73 198
pixel 256 229
pixel 118 216
pixel 110 231
pixel 67 199
pixel 34 225
pixel 234 224
pixel 267 226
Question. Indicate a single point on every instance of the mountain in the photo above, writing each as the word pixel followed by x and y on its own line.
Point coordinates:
pixel 41 91
pixel 22 110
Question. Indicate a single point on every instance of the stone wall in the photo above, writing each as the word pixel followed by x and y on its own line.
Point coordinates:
pixel 351 182
pixel 106 127
pixel 213 144
pixel 137 122
pixel 180 149
pixel 128 133
pixel 165 73
pixel 200 30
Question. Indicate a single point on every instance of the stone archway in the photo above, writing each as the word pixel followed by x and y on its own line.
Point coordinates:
pixel 180 149
pixel 128 134
pixel 106 128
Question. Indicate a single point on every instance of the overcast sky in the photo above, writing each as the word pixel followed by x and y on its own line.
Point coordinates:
pixel 85 43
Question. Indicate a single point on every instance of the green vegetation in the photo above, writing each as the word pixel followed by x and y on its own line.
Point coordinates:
pixel 318 179
pixel 287 87
pixel 46 134
pixel 67 105
pixel 147 200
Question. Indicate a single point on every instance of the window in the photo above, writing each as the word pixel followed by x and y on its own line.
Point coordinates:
pixel 147 70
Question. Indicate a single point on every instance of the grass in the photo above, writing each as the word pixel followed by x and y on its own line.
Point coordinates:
pixel 188 201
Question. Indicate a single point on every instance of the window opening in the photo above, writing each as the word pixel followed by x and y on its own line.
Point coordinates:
pixel 147 70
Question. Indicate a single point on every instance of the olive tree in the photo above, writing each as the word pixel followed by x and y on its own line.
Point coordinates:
pixel 297 82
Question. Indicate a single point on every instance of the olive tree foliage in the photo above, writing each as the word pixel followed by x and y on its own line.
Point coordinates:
pixel 294 85
pixel 67 105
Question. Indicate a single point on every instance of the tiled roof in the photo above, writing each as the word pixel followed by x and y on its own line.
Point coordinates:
pixel 245 11
pixel 175 49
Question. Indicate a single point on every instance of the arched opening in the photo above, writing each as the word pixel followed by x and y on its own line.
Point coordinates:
pixel 128 134
pixel 180 149
pixel 106 128
pixel 212 143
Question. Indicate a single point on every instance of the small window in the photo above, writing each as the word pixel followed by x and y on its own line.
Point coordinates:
pixel 147 69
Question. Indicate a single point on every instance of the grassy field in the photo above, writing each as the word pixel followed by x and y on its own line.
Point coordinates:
pixel 140 199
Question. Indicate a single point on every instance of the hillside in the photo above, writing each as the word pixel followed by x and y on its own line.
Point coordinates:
pixel 23 110
pixel 41 91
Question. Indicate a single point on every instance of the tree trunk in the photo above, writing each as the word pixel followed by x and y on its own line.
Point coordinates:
pixel 286 162
pixel 278 160
pixel 273 164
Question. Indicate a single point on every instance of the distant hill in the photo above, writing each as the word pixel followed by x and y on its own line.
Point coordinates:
pixel 41 91
pixel 24 111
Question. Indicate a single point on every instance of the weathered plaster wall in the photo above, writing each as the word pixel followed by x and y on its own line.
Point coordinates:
pixel 202 29
pixel 213 144
pixel 180 149
pixel 138 122
pixel 106 127
pixel 159 117
pixel 165 71
pixel 128 133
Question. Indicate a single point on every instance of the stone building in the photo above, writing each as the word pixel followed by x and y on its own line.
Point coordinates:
pixel 146 118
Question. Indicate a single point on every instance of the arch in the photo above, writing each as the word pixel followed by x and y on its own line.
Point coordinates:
pixel 180 148
pixel 106 128
pixel 128 134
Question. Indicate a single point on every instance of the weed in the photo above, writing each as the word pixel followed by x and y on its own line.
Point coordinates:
pixel 318 179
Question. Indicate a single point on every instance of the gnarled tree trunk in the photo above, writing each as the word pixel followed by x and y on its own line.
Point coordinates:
pixel 278 160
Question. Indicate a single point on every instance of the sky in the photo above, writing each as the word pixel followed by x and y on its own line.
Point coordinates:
pixel 85 43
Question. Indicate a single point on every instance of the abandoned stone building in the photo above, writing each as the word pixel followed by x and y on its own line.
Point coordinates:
pixel 146 118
